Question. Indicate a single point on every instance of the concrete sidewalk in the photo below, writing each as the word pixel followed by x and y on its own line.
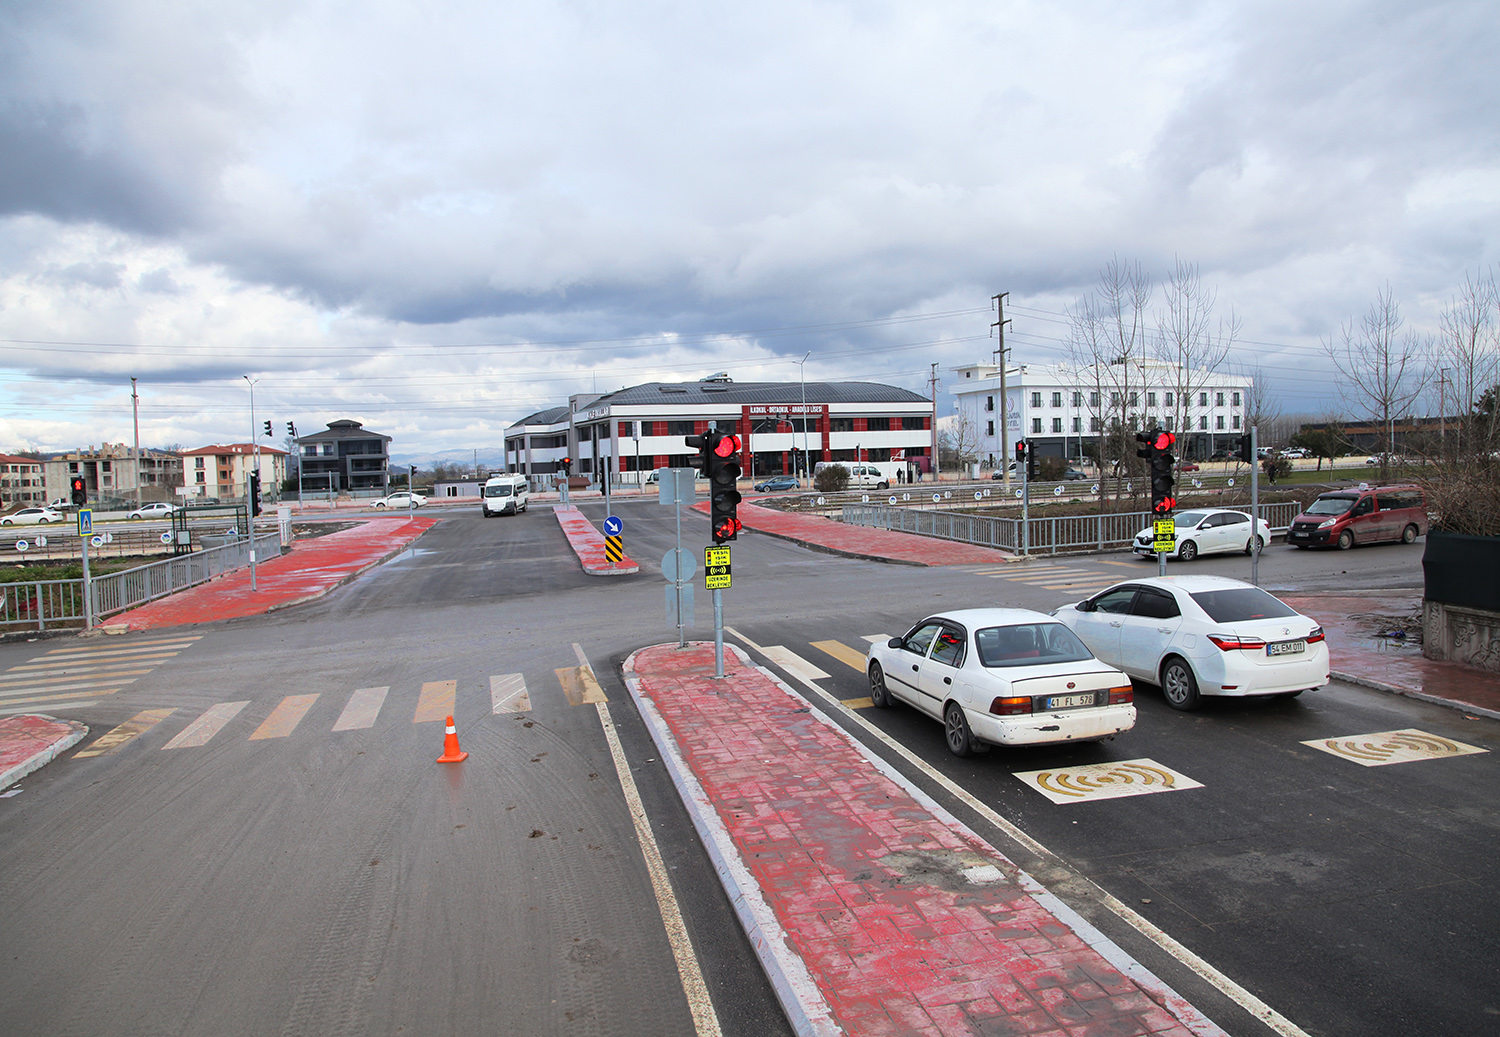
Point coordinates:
pixel 874 910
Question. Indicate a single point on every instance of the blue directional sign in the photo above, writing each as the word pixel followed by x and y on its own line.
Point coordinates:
pixel 613 526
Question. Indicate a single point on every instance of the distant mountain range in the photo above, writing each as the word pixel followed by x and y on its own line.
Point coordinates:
pixel 491 459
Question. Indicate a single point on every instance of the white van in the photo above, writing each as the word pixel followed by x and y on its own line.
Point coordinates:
pixel 504 495
pixel 863 475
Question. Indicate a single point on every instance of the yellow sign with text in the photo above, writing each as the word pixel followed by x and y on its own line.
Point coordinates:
pixel 715 568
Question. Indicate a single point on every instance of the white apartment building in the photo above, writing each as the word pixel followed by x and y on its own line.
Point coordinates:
pixel 1056 408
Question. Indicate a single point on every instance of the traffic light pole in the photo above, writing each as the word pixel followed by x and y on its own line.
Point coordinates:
pixel 1254 513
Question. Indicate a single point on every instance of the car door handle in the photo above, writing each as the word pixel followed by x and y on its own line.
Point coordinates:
pixel 913 669
pixel 1116 623
pixel 1163 630
pixel 947 680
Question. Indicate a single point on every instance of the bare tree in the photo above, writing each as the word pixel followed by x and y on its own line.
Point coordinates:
pixel 1469 355
pixel 1262 409
pixel 1190 342
pixel 959 441
pixel 1383 369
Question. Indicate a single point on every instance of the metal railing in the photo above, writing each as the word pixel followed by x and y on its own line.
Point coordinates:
pixel 38 604
pixel 1046 534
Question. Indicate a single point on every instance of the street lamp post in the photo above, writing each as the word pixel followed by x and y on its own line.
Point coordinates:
pixel 249 485
pixel 802 377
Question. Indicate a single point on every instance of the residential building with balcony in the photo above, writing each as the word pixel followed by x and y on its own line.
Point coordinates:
pixel 22 481
pixel 344 457
pixel 222 470
pixel 113 470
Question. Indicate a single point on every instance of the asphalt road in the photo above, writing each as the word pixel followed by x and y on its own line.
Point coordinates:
pixel 324 881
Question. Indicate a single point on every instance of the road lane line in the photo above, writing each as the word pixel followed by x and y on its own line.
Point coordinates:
pixel 93 691
pixel 362 709
pixel 792 662
pixel 705 1019
pixel 205 727
pixel 843 653
pixel 50 705
pixel 875 639
pixel 508 693
pixel 86 661
pixel 155 642
pixel 284 718
pixel 1226 986
pixel 436 702
pixel 81 671
pixel 113 740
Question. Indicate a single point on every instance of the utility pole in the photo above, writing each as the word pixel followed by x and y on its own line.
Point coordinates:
pixel 937 465
pixel 135 410
pixel 999 326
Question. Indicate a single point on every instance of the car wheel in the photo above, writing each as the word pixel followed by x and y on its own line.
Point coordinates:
pixel 879 693
pixel 1409 535
pixel 956 726
pixel 883 486
pixel 7 522
pixel 1250 546
pixel 1187 551
pixel 1178 685
pixel 1346 540
pixel 380 504
pixel 42 522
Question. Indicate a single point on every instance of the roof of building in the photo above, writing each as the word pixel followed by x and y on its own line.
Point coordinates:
pixel 738 393
pixel 230 448
pixel 13 459
pixel 343 428
pixel 550 416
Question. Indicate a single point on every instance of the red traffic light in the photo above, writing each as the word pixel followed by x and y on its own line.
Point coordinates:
pixel 1164 440
pixel 1020 449
pixel 727 446
pixel 1164 505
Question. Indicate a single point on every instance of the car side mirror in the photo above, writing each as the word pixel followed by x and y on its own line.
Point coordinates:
pixel 896 642
pixel 1084 606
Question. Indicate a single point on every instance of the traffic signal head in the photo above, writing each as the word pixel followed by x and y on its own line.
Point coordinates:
pixel 1020 451
pixel 79 490
pixel 291 429
pixel 1162 479
pixel 723 496
pixel 269 433
pixel 1243 451
pixel 1145 439
pixel 567 466
pixel 254 494
pixel 702 445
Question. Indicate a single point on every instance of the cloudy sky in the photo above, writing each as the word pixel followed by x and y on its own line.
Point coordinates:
pixel 438 217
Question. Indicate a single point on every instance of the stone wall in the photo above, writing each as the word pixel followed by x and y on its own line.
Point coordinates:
pixel 1459 634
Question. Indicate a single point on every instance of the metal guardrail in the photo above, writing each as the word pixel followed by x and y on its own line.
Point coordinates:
pixel 40 604
pixel 1047 534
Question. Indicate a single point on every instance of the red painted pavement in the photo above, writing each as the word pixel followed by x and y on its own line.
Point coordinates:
pixel 588 544
pixel 880 544
pixel 312 568
pixel 1358 652
pixel 868 883
pixel 30 740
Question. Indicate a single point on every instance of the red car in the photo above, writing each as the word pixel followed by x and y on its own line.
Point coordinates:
pixel 1187 466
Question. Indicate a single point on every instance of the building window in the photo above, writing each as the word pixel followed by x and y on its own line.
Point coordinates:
pixel 913 424
pixel 840 424
pixel 1203 424
pixel 1236 422
pixel 1151 399
pixel 198 463
pixel 1093 399
pixel 989 428
pixel 1057 399
pixel 989 403
pixel 1057 424
pixel 1093 424
pixel 1169 400
pixel 1078 399
pixel 878 424
pixel 679 428
pixel 1036 399
pixel 1077 424
pixel 1171 422
pixel 1114 399
pixel 1236 401
pixel 1203 399
pixel 201 479
pixel 1036 426
pixel 1218 399
pixel 1219 422
pixel 1135 399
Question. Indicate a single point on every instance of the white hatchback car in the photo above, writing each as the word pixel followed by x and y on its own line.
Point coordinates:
pixel 1202 635
pixel 1001 677
pixel 1204 531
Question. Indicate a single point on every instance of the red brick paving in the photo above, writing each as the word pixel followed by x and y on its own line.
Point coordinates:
pixel 588 544
pixel 867 882
pixel 880 544
pixel 30 740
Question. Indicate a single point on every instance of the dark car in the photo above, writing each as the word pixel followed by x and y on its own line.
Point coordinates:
pixel 777 482
pixel 1221 455
pixel 1073 475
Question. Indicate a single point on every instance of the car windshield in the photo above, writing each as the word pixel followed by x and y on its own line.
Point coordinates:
pixel 1028 644
pixel 1242 603
pixel 497 491
pixel 1191 518
pixel 1330 505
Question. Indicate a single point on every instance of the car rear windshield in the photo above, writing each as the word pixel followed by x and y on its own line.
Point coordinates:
pixel 1028 644
pixel 1242 603
pixel 1330 505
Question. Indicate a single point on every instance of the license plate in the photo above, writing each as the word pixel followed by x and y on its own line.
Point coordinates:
pixel 1286 647
pixel 1070 701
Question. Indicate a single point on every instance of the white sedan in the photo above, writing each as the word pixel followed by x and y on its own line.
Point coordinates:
pixel 156 509
pixel 1001 677
pixel 1202 635
pixel 32 517
pixel 1204 531
pixel 402 499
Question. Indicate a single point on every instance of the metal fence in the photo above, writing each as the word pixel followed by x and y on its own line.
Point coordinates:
pixel 40 604
pixel 1046 534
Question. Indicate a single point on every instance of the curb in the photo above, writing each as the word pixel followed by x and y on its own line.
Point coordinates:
pixel 1413 693
pixel 76 732
pixel 588 543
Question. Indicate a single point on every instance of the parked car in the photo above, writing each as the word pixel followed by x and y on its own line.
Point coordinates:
pixel 1187 466
pixel 1221 455
pixel 62 504
pixel 32 517
pixel 1073 475
pixel 156 509
pixel 1344 518
pixel 777 482
pixel 1205 531
pixel 1297 453
pixel 400 499
pixel 1202 635
pixel 1001 677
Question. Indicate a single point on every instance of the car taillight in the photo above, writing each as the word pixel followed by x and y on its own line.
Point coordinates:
pixel 1122 696
pixel 1011 706
pixel 1231 642
pixel 1315 636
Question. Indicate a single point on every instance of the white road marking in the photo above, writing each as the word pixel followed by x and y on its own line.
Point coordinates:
pixel 361 709
pixel 508 693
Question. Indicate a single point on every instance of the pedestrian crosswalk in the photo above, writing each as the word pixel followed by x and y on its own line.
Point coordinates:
pixel 1072 581
pixel 429 703
pixel 80 674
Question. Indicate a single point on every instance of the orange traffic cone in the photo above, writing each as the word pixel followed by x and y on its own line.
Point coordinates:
pixel 451 752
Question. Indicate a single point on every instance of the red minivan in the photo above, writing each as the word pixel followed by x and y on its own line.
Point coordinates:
pixel 1344 518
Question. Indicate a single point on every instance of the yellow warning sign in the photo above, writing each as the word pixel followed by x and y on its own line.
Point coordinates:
pixel 715 568
pixel 1165 538
pixel 614 548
